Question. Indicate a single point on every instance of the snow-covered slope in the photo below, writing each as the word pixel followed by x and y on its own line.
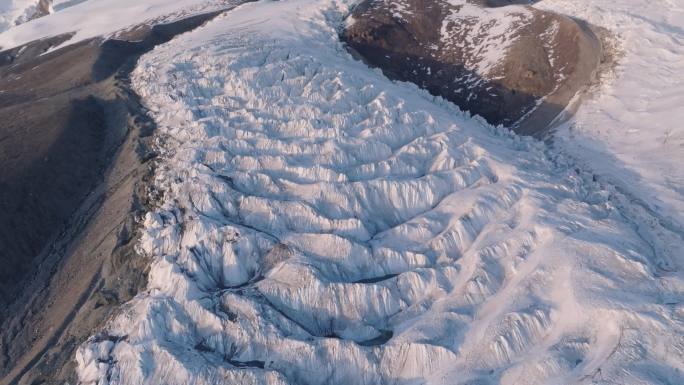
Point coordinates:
pixel 320 224
pixel 92 18
pixel 15 12
pixel 513 65
pixel 630 130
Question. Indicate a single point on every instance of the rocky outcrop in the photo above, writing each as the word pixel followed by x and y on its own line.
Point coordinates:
pixel 506 61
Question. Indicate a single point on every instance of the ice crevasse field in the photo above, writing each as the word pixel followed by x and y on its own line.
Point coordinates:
pixel 320 224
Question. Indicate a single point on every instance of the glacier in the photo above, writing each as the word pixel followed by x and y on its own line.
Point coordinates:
pixel 320 224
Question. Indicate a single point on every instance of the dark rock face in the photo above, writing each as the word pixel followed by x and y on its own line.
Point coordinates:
pixel 509 63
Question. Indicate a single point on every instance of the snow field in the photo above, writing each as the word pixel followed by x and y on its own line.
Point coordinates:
pixel 628 130
pixel 95 18
pixel 15 12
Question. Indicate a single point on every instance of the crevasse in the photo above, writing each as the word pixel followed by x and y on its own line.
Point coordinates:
pixel 322 225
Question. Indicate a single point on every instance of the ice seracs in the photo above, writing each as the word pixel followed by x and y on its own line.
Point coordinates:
pixel 322 224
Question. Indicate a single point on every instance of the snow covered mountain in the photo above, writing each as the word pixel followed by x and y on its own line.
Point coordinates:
pixel 314 222
pixel 15 12
pixel 94 18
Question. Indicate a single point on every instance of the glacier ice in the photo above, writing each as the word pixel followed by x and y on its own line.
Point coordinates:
pixel 322 225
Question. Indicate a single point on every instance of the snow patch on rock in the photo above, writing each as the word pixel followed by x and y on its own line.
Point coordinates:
pixel 491 30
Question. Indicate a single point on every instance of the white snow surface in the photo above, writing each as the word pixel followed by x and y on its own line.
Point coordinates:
pixel 93 18
pixel 312 209
pixel 15 12
pixel 630 129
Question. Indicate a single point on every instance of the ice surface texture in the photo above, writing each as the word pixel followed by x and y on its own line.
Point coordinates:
pixel 322 225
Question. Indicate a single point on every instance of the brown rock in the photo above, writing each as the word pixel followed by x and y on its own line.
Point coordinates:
pixel 74 157
pixel 512 64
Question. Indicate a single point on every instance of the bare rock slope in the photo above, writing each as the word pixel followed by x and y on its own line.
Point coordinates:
pixel 503 60
pixel 74 156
